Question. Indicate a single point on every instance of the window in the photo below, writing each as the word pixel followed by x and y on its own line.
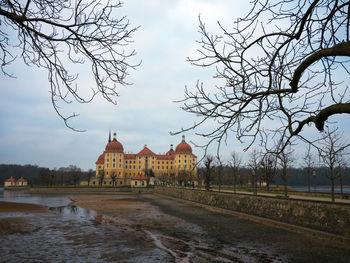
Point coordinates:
pixel 185 155
pixel 135 182
pixel 104 182
pixel 158 167
pixel 185 166
pixel 134 161
pixel 134 166
pixel 114 160
pixel 126 161
pixel 113 154
pixel 121 182
pixel 163 167
pixel 143 183
pixel 179 161
pixel 114 165
pixel 185 161
pixel 107 165
pixel 167 167
pixel 110 182
pixel 120 165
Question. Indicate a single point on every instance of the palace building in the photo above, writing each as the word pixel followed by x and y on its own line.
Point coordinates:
pixel 115 167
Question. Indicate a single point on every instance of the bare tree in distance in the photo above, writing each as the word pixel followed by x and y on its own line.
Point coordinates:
pixel 308 165
pixel 254 164
pixel 342 164
pixel 60 35
pixel 218 169
pixel 278 63
pixel 268 165
pixel 235 162
pixel 331 151
pixel 285 160
pixel 208 171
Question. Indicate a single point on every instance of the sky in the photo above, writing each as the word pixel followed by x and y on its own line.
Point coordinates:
pixel 32 133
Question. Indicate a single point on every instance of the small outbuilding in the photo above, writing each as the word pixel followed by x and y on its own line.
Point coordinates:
pixel 21 182
pixel 10 182
pixel 139 181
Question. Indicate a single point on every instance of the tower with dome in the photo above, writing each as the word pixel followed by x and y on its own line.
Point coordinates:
pixel 117 168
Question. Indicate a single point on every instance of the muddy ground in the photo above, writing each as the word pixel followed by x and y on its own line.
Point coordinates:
pixel 182 232
pixel 17 224
pixel 147 228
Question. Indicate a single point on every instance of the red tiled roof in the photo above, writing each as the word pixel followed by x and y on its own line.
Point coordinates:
pixel 166 157
pixel 140 177
pixel 146 151
pixel 129 156
pixel 21 180
pixel 183 147
pixel 101 159
pixel 11 179
pixel 115 147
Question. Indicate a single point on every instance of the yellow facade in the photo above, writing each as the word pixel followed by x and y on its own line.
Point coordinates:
pixel 176 166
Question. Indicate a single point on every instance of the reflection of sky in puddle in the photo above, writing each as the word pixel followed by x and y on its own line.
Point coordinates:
pixel 26 197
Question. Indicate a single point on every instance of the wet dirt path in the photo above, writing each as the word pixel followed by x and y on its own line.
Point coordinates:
pixel 151 228
pixel 187 233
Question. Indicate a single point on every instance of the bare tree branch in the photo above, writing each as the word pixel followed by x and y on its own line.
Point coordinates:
pixel 56 35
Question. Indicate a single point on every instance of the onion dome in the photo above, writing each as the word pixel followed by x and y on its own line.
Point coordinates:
pixel 171 151
pixel 183 147
pixel 146 151
pixel 101 159
pixel 114 146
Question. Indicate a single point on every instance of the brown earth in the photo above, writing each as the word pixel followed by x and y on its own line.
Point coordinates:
pixel 12 207
pixel 193 234
pixel 17 225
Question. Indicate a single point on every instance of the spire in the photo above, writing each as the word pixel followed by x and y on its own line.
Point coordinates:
pixel 171 147
pixel 114 136
pixel 183 139
pixel 109 138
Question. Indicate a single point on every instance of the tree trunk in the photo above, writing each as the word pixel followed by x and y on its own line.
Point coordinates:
pixel 309 182
pixel 285 186
pixel 332 187
pixel 234 183
pixel 341 186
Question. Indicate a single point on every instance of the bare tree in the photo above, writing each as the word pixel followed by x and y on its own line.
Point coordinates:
pixel 101 177
pixel 278 63
pixel 285 162
pixel 341 167
pixel 57 35
pixel 309 163
pixel 113 178
pixel 235 163
pixel 89 175
pixel 218 169
pixel 331 151
pixel 253 163
pixel 208 171
pixel 268 169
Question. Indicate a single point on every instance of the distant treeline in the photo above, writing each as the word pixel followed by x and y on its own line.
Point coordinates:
pixel 73 175
pixel 35 175
pixel 297 176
